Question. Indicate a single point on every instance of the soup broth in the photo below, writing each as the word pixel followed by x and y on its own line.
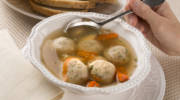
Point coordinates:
pixel 55 60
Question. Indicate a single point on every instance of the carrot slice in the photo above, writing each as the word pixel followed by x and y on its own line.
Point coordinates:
pixel 122 69
pixel 86 55
pixel 93 84
pixel 121 77
pixel 108 36
pixel 65 67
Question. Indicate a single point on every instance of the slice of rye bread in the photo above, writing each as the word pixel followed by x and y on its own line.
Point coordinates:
pixel 75 4
pixel 49 11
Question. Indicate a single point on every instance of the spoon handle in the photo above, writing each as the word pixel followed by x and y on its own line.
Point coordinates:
pixel 110 19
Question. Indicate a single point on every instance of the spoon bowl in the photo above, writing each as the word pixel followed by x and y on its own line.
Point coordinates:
pixel 81 22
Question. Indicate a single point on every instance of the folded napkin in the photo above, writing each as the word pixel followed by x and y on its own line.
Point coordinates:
pixel 19 80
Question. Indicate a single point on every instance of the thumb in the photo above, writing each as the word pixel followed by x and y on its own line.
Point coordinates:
pixel 145 12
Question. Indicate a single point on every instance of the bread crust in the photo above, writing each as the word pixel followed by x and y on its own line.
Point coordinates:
pixel 75 4
pixel 49 11
pixel 107 1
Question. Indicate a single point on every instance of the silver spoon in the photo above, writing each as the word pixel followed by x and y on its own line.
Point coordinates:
pixel 80 22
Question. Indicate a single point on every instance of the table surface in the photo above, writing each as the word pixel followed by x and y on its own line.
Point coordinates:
pixel 20 26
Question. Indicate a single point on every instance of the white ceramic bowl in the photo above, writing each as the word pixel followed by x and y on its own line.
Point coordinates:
pixel 132 35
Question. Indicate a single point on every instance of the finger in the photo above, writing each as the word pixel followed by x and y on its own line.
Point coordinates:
pixel 145 12
pixel 131 19
pixel 143 25
pixel 148 34
pixel 140 27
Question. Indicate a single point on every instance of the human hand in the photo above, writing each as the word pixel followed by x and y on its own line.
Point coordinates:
pixel 159 25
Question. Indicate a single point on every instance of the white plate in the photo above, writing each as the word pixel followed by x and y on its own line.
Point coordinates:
pixel 152 88
pixel 23 7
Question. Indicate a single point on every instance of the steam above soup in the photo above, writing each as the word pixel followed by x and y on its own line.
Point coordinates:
pixel 88 57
